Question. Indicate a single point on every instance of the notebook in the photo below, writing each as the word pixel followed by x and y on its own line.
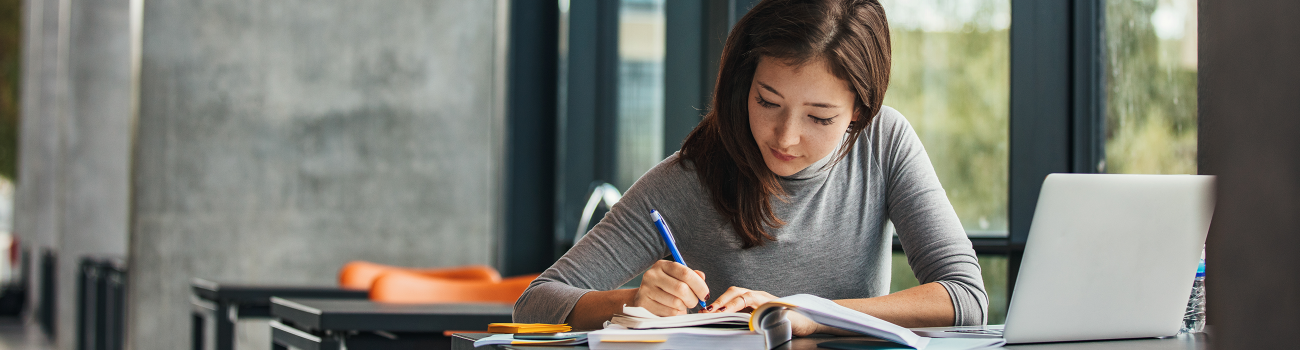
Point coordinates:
pixel 527 328
pixel 640 318
pixel 510 339
pixel 766 328
pixel 619 337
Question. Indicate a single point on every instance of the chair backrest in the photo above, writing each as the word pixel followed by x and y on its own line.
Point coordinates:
pixel 362 274
pixel 405 287
pixel 602 193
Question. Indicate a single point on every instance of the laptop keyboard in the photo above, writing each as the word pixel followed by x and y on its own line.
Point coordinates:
pixel 995 332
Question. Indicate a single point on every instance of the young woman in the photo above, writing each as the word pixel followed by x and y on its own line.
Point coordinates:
pixel 783 188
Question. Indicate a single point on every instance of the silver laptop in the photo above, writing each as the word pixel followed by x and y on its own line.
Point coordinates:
pixel 1109 256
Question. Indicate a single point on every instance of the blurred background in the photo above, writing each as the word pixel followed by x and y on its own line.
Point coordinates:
pixel 275 141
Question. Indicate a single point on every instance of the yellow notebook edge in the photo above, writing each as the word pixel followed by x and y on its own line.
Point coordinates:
pixel 517 328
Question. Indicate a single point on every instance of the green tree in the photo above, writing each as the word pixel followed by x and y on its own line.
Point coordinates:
pixel 1150 93
pixel 953 85
pixel 10 78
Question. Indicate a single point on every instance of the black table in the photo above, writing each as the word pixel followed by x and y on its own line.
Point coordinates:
pixel 1199 341
pixel 226 303
pixel 330 324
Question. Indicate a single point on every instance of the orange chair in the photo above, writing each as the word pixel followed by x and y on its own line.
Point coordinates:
pixel 362 274
pixel 412 288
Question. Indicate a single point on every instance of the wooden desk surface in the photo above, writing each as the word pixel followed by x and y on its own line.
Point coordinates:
pixel 366 315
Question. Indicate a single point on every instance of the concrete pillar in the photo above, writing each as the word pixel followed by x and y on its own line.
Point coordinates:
pixel 96 147
pixel 277 140
pixel 38 196
pixel 72 195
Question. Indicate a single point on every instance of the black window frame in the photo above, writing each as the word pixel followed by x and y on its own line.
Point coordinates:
pixel 1057 104
pixel 587 112
pixel 531 131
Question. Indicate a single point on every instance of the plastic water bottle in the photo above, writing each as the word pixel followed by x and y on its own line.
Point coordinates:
pixel 1194 318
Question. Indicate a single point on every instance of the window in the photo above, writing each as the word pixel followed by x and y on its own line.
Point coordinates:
pixel 1150 86
pixel 951 79
pixel 611 102
pixel 640 89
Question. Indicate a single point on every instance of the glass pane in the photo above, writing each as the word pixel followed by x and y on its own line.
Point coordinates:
pixel 1151 86
pixel 951 73
pixel 951 79
pixel 994 269
pixel 640 89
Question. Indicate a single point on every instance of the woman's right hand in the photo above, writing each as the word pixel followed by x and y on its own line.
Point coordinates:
pixel 669 289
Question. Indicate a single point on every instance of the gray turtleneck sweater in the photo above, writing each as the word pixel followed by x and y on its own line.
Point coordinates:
pixel 833 244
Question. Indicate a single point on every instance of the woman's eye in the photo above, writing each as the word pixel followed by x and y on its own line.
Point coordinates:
pixel 823 121
pixel 764 103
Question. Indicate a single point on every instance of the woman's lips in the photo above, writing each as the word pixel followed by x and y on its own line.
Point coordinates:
pixel 782 156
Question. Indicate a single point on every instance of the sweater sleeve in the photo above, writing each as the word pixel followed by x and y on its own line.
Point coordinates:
pixel 928 228
pixel 621 246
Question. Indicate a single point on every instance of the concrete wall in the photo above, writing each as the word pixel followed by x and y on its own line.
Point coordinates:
pixel 277 140
pixel 274 142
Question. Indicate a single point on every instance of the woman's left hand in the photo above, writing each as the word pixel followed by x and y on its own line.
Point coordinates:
pixel 737 299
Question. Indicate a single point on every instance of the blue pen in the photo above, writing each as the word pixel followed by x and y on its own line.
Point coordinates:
pixel 669 240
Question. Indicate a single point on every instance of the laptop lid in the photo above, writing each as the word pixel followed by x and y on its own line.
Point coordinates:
pixel 1110 256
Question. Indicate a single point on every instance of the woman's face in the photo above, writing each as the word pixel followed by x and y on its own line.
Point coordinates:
pixel 798 114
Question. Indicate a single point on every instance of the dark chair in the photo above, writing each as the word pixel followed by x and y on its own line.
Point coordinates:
pixel 101 301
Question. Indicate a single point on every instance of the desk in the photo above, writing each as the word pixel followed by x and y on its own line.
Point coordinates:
pixel 465 341
pixel 331 324
pixel 225 303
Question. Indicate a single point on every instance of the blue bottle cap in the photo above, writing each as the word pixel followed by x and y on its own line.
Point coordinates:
pixel 1200 270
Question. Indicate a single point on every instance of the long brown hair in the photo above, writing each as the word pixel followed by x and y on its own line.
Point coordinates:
pixel 851 36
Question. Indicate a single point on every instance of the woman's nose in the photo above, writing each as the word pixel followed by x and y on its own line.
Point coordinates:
pixel 787 134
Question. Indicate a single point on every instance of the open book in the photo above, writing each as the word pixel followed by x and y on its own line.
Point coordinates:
pixel 637 328
pixel 829 313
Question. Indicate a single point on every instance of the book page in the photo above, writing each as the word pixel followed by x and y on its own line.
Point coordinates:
pixel 829 313
pixel 638 317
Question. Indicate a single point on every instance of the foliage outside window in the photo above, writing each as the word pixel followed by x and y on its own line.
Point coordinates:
pixel 1151 86
pixel 10 78
pixel 951 79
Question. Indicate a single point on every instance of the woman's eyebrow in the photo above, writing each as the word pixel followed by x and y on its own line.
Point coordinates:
pixel 769 88
pixel 813 104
